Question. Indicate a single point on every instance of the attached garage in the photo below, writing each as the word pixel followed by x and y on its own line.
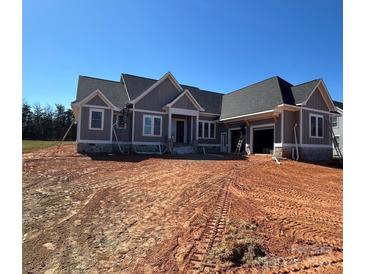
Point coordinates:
pixel 263 140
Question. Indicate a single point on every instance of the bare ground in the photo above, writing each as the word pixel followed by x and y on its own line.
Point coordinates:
pixel 152 215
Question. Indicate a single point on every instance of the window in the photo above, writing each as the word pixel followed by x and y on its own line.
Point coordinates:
pixel 152 125
pixel 200 130
pixel 157 126
pixel 121 121
pixel 212 130
pixel 96 119
pixel 335 122
pixel 206 130
pixel 316 125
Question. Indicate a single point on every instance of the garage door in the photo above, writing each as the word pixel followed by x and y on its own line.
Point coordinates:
pixel 263 140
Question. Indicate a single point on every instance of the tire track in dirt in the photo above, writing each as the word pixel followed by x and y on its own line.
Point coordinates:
pixel 212 235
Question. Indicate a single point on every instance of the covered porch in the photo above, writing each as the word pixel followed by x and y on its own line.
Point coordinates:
pixel 182 126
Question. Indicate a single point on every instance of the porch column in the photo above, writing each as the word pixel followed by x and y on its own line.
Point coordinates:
pixel 169 126
pixel 191 129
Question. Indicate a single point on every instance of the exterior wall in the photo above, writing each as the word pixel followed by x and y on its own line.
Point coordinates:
pixel 94 148
pixel 316 101
pixel 86 134
pixel 306 154
pixel 338 131
pixel 326 140
pixel 225 127
pixel 97 101
pixel 278 129
pixel 124 135
pixel 158 97
pixel 138 128
pixel 290 119
pixel 218 130
pixel 185 103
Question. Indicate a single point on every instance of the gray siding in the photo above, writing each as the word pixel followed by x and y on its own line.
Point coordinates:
pixel 290 119
pixel 124 135
pixel 278 129
pixel 218 130
pixel 138 128
pixel 339 132
pixel 97 101
pixel 86 134
pixel 316 101
pixel 184 102
pixel 308 140
pixel 163 94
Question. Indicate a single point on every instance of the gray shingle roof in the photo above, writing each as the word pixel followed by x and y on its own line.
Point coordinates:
pixel 210 101
pixel 114 91
pixel 136 85
pixel 262 96
pixel 338 104
pixel 302 91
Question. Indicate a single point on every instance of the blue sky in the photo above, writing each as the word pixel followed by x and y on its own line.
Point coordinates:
pixel 214 45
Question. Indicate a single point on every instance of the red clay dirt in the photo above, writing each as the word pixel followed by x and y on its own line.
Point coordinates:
pixel 138 214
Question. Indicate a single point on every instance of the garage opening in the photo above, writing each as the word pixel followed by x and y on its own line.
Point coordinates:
pixel 263 140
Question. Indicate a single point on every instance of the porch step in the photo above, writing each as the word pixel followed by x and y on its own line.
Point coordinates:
pixel 183 150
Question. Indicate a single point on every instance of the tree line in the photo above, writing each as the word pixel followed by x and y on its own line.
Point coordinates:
pixel 47 123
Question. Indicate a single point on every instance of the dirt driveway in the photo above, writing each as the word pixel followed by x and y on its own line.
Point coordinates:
pixel 154 215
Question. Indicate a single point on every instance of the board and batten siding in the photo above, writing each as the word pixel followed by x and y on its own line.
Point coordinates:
pixel 316 101
pixel 97 135
pixel 138 128
pixel 123 135
pixel 161 95
pixel 218 129
pixel 184 103
pixel 290 119
pixel 326 140
pixel 96 101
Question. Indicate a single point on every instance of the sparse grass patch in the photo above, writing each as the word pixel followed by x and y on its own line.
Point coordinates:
pixel 32 145
pixel 240 246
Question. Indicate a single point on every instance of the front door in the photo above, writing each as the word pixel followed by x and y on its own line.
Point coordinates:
pixel 224 142
pixel 180 131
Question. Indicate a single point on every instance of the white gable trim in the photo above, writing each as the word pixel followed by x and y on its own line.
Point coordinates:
pixel 125 86
pixel 169 76
pixel 96 92
pixel 190 97
pixel 325 95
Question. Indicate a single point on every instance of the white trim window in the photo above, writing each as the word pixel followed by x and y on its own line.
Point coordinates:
pixel 96 119
pixel 152 125
pixel 121 123
pixel 206 130
pixel 335 122
pixel 316 125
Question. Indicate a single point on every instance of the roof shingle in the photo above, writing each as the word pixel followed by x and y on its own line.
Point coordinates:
pixel 114 91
